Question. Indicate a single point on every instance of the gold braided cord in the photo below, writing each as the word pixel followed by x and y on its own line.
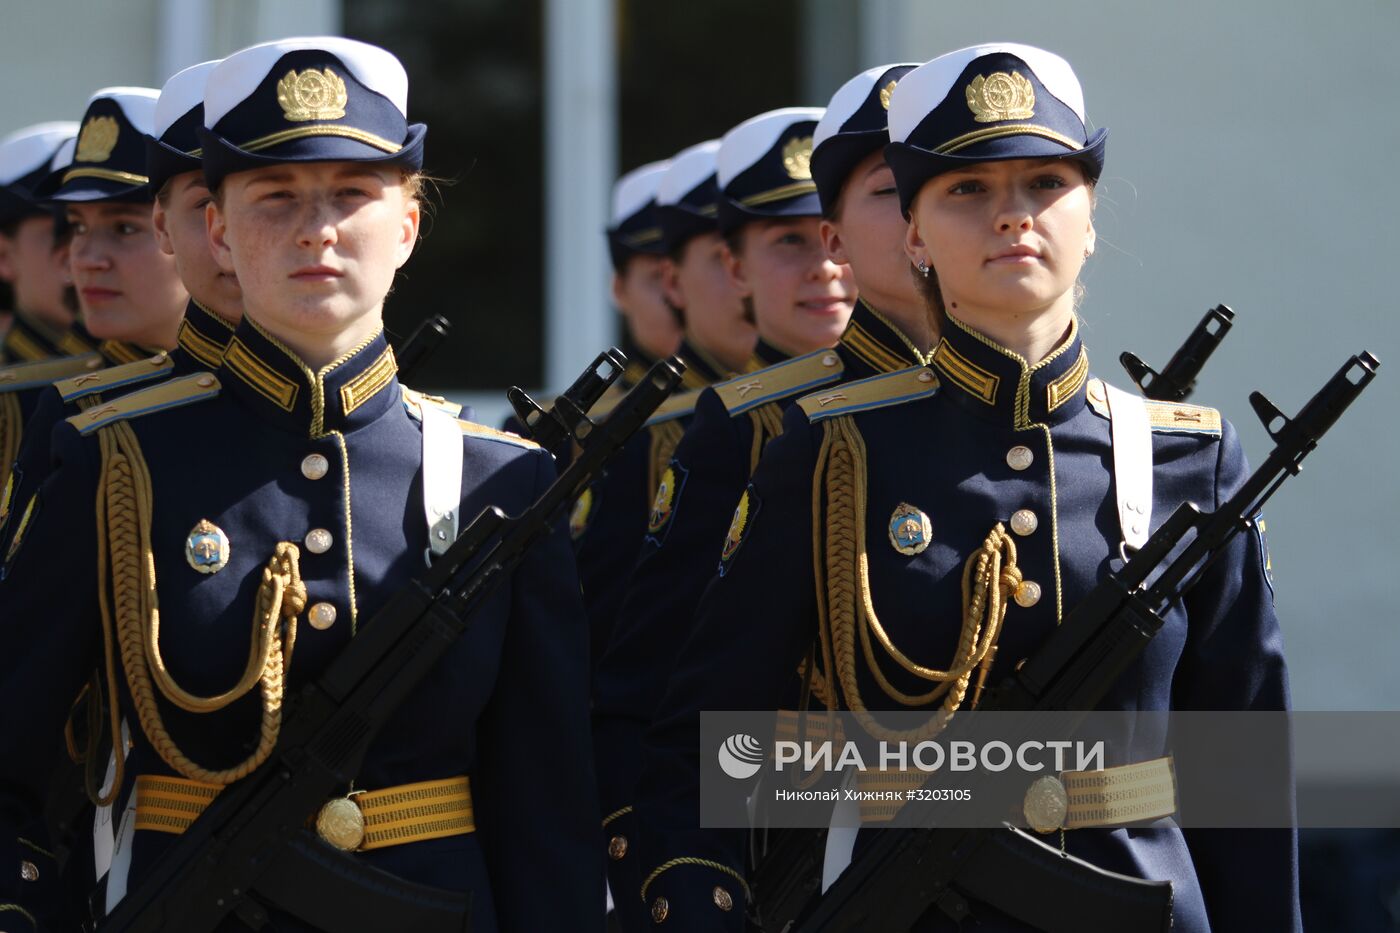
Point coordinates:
pixel 847 609
pixel 126 564
pixel 767 424
pixel 702 862
pixel 665 438
pixel 11 429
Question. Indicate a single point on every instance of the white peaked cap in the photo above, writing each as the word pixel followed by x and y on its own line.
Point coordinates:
pixel 924 88
pixel 181 94
pixel 634 190
pixel 235 78
pixel 848 99
pixel 688 168
pixel 744 145
pixel 26 150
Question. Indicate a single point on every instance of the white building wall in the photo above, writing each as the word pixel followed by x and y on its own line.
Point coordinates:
pixel 1250 162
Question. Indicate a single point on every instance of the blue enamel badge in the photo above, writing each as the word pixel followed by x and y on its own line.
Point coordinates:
pixel 910 529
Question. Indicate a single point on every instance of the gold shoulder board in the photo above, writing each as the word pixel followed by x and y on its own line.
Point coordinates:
pixel 115 377
pixel 19 376
pixel 472 429
pixel 415 400
pixel 793 377
pixel 677 406
pixel 880 391
pixel 1164 417
pixel 172 393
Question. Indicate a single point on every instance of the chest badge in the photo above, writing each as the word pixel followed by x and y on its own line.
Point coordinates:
pixel 207 548
pixel 910 529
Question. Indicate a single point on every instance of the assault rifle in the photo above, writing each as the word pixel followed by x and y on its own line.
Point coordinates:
pixel 1178 380
pixel 903 873
pixel 421 344
pixel 568 417
pixel 250 846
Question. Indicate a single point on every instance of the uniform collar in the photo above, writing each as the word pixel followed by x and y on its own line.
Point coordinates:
pixel 29 342
pixel 119 352
pixel 874 345
pixel 77 341
pixel 999 385
pixel 204 335
pixel 765 355
pixel 264 374
pixel 701 369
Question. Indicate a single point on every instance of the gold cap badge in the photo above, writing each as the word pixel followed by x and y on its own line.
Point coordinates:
pixel 312 95
pixel 797 158
pixel 885 93
pixel 97 140
pixel 910 529
pixel 207 547
pixel 1001 96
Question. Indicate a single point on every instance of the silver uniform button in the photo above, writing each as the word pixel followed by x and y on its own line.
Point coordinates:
pixel 319 540
pixel 1027 594
pixel 322 616
pixel 1024 522
pixel 314 466
pixel 1019 458
pixel 28 871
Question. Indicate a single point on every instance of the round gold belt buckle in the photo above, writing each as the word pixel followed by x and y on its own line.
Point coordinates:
pixel 1046 804
pixel 341 824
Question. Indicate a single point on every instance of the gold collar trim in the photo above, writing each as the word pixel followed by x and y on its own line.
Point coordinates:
pixel 1067 386
pixel 267 381
pixel 25 348
pixel 871 351
pixel 206 351
pixel 966 374
pixel 121 352
pixel 368 383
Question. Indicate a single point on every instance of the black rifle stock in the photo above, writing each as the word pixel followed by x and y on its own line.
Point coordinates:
pixel 567 418
pixel 1177 381
pixel 256 823
pixel 421 344
pixel 903 873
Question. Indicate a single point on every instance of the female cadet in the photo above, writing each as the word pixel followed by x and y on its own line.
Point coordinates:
pixel 638 253
pixel 32 268
pixel 130 297
pixel 996 457
pixel 735 419
pixel 281 500
pixel 609 520
pixel 175 183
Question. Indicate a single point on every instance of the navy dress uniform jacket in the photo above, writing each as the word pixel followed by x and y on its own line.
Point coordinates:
pixel 611 517
pixel 505 706
pixel 201 342
pixel 944 444
pixel 681 547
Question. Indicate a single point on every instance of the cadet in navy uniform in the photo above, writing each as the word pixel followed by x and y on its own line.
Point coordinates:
pixel 652 329
pixel 769 213
pixel 294 491
pixel 175 180
pixel 130 296
pixel 31 261
pixel 609 520
pixel 1004 449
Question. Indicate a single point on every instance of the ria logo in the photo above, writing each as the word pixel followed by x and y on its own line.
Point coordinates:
pixel 741 756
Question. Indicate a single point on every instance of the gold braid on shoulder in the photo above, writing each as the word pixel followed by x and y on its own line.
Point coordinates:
pixel 127 593
pixel 846 611
pixel 11 427
pixel 767 424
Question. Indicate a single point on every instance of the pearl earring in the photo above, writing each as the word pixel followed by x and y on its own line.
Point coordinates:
pixel 923 268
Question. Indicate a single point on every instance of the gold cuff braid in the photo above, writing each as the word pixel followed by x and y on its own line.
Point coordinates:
pixel 703 863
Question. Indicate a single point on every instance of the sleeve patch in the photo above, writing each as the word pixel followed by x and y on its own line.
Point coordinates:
pixel 581 513
pixel 668 499
pixel 26 519
pixel 744 514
